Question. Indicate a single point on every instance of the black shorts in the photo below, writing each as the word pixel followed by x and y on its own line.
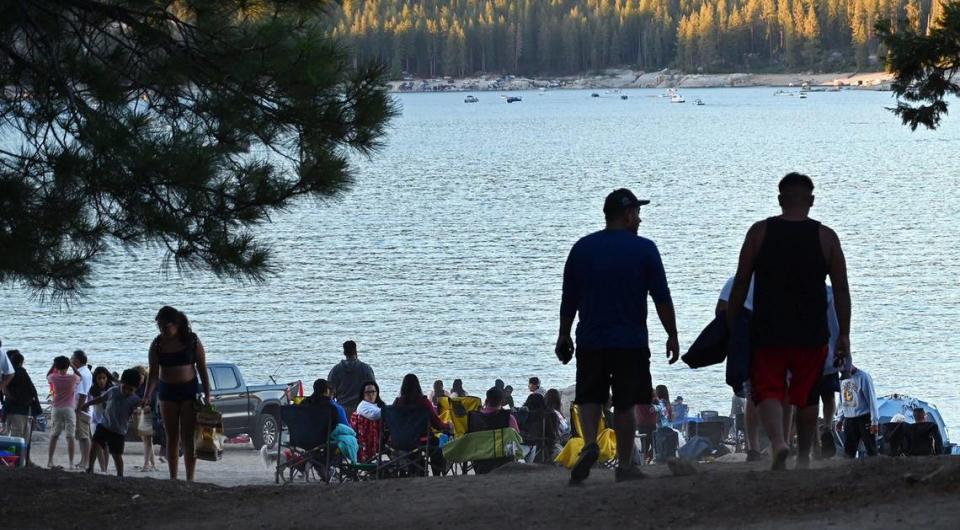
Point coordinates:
pixel 109 439
pixel 829 383
pixel 626 371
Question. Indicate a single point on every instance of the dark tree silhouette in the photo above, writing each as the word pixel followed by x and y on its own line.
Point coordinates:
pixel 925 67
pixel 183 124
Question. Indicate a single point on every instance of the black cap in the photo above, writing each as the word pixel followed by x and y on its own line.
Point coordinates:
pixel 620 200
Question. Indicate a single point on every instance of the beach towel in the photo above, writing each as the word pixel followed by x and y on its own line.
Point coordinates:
pixel 484 445
pixel 346 440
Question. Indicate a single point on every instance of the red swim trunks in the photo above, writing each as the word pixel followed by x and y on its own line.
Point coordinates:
pixel 769 367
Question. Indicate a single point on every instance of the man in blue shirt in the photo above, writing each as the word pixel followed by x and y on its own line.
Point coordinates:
pixel 607 278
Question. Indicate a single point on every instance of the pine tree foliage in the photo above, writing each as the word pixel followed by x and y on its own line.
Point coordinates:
pixel 430 38
pixel 926 66
pixel 182 124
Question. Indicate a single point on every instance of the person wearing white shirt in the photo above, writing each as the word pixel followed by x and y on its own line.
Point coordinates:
pixel 859 414
pixel 83 435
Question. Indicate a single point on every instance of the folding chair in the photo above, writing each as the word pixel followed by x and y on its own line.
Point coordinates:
pixel 708 414
pixel 712 430
pixel 923 439
pixel 539 430
pixel 307 450
pixel 477 422
pixel 456 409
pixel 408 450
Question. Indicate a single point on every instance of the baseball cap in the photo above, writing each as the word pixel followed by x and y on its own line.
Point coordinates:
pixel 620 200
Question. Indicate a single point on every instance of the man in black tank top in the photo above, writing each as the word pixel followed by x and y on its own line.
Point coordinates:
pixel 790 257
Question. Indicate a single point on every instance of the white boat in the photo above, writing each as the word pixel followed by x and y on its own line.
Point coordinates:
pixel 471 99
pixel 700 102
pixel 782 93
pixel 675 96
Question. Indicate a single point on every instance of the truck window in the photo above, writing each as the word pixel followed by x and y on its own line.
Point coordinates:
pixel 225 378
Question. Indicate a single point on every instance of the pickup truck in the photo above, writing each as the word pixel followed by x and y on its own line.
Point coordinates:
pixel 253 410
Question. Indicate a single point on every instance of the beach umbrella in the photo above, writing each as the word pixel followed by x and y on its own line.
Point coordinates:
pixel 890 406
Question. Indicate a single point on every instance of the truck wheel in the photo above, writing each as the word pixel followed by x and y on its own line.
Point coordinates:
pixel 266 431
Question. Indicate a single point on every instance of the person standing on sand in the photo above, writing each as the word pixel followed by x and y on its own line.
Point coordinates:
pixel 176 357
pixel 83 434
pixel 859 417
pixel 606 280
pixel 347 377
pixel 789 257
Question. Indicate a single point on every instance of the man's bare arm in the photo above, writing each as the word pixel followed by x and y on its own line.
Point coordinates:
pixel 837 266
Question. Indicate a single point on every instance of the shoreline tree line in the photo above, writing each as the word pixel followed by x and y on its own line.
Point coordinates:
pixel 430 38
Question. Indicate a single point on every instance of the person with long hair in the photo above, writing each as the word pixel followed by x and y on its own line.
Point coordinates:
pixel 554 404
pixel 176 357
pixel 366 421
pixel 664 396
pixel 102 381
pixel 438 392
pixel 457 390
pixel 411 395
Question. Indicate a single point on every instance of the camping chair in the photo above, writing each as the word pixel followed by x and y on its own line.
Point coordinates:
pixel 892 439
pixel 711 430
pixel 606 439
pixel 369 435
pixel 478 422
pixel 455 410
pixel 407 449
pixel 539 430
pixel 307 449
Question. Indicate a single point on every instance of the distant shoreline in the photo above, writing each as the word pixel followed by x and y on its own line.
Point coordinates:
pixel 627 79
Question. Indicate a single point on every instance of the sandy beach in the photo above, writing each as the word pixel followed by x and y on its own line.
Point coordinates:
pixel 238 492
pixel 879 493
pixel 625 79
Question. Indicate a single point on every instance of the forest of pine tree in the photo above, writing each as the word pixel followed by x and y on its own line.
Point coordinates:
pixel 429 38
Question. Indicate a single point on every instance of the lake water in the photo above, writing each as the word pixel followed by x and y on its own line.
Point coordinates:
pixel 446 258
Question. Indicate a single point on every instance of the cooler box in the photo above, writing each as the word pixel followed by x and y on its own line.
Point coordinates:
pixel 13 451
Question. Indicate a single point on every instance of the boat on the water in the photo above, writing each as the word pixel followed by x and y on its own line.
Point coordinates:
pixel 594 95
pixel 675 96
pixel 783 93
pixel 623 96
pixel 471 99
pixel 514 99
pixel 700 102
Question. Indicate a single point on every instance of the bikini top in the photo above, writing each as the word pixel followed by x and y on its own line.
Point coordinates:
pixel 184 357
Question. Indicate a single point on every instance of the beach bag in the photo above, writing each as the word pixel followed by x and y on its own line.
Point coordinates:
pixel 145 423
pixel 208 435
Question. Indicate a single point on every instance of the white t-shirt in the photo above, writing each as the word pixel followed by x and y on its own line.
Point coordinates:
pixel 728 290
pixel 6 366
pixel 833 323
pixel 86 383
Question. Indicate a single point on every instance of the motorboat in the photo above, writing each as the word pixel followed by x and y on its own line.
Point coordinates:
pixel 514 99
pixel 783 93
pixel 700 102
pixel 594 95
pixel 471 99
pixel 803 95
pixel 623 96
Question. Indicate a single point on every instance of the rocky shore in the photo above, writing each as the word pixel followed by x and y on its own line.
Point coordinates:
pixel 624 79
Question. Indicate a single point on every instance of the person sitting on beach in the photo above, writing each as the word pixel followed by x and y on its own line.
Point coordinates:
pixel 411 395
pixel 370 402
pixel 534 386
pixel 346 379
pixel 457 390
pixel 7 372
pixel 508 397
pixel 119 404
pixel 366 421
pixel 493 410
pixel 438 392
pixel 924 442
pixel 555 404
pixel 64 413
pixel 321 397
